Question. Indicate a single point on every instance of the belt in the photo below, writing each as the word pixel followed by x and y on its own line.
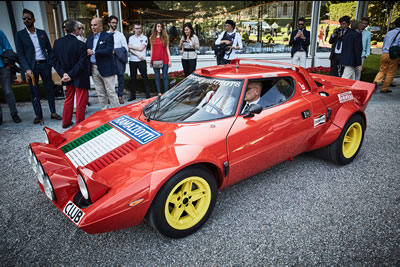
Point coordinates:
pixel 188 49
pixel 40 61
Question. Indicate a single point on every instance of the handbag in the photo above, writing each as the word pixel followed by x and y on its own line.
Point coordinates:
pixel 394 51
pixel 158 64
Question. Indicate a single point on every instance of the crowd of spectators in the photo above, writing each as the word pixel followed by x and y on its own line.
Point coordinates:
pixel 104 55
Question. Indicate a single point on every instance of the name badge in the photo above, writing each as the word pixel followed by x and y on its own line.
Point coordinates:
pixel 135 129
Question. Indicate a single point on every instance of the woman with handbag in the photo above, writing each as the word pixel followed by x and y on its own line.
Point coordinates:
pixel 190 43
pixel 160 56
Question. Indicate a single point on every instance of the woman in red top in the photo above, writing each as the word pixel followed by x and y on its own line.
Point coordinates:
pixel 160 51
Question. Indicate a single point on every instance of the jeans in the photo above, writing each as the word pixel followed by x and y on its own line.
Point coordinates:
pixel 120 91
pixel 336 68
pixel 5 79
pixel 165 78
pixel 44 70
pixel 134 66
pixel 189 65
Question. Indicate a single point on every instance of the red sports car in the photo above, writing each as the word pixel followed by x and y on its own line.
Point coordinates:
pixel 165 158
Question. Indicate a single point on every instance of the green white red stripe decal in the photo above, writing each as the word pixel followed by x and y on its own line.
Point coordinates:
pixel 94 145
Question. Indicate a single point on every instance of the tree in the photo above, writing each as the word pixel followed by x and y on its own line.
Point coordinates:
pixel 378 12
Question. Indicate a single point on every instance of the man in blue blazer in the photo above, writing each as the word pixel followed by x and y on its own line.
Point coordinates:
pixel 100 51
pixel 71 63
pixel 34 52
pixel 351 52
pixel 299 41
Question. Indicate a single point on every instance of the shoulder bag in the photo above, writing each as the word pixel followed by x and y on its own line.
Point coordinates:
pixel 394 51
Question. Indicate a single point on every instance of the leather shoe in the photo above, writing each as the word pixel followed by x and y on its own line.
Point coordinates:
pixel 121 100
pixel 55 116
pixel 392 85
pixel 1 120
pixel 131 98
pixel 67 125
pixel 386 91
pixel 16 118
pixel 37 120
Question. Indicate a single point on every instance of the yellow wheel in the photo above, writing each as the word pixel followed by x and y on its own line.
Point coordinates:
pixel 187 203
pixel 352 140
pixel 184 203
pixel 349 142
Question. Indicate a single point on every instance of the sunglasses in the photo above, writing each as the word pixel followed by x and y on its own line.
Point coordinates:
pixel 301 24
pixel 80 28
pixel 26 18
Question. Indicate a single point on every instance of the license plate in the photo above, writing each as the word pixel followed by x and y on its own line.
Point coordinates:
pixel 73 212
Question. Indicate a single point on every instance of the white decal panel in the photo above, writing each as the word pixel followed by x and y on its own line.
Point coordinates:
pixel 73 212
pixel 319 120
pixel 345 97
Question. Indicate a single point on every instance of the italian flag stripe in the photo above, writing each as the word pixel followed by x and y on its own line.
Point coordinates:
pixel 85 138
pixel 93 145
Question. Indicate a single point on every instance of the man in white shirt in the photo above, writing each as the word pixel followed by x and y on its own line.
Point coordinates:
pixel 232 39
pixel 137 60
pixel 34 52
pixel 121 56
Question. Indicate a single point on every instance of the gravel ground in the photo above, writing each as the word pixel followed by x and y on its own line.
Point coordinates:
pixel 308 212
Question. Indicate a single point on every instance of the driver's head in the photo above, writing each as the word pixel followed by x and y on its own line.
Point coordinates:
pixel 253 92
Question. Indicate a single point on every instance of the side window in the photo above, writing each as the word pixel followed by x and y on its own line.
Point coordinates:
pixel 276 91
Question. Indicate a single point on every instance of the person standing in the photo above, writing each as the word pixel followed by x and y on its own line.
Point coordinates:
pixel 34 52
pixel 80 35
pixel 366 44
pixel 190 43
pixel 100 51
pixel 351 53
pixel 299 41
pixel 336 41
pixel 232 39
pixel 137 60
pixel 321 36
pixel 120 54
pixel 160 56
pixel 71 63
pixel 388 66
pixel 5 79
pixel 326 32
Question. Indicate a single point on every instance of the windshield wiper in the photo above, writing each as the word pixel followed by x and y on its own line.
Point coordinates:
pixel 156 110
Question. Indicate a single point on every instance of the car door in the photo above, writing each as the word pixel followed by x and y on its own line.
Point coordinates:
pixel 274 135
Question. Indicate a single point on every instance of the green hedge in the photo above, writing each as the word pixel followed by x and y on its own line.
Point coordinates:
pixel 21 92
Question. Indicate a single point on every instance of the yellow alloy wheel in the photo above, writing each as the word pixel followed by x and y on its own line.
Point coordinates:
pixel 352 140
pixel 187 203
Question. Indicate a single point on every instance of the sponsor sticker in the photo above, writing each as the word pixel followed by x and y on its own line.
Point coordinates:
pixel 74 213
pixel 319 120
pixel 346 96
pixel 135 129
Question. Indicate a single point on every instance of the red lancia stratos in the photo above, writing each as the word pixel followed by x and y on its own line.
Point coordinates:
pixel 164 159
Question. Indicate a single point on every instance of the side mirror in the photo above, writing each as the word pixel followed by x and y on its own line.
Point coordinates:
pixel 253 109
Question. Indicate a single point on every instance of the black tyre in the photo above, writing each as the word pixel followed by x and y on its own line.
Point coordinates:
pixel 346 147
pixel 184 203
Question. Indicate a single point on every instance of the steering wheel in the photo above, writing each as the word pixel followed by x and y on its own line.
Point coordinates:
pixel 219 111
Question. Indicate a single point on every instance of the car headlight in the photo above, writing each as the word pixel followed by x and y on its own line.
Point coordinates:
pixel 34 163
pixel 30 155
pixel 83 187
pixel 48 188
pixel 40 173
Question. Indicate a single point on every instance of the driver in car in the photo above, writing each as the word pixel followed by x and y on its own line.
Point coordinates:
pixel 252 95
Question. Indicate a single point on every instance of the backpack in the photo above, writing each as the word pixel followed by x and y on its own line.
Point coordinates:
pixel 219 50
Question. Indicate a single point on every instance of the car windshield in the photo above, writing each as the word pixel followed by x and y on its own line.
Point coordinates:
pixel 196 98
